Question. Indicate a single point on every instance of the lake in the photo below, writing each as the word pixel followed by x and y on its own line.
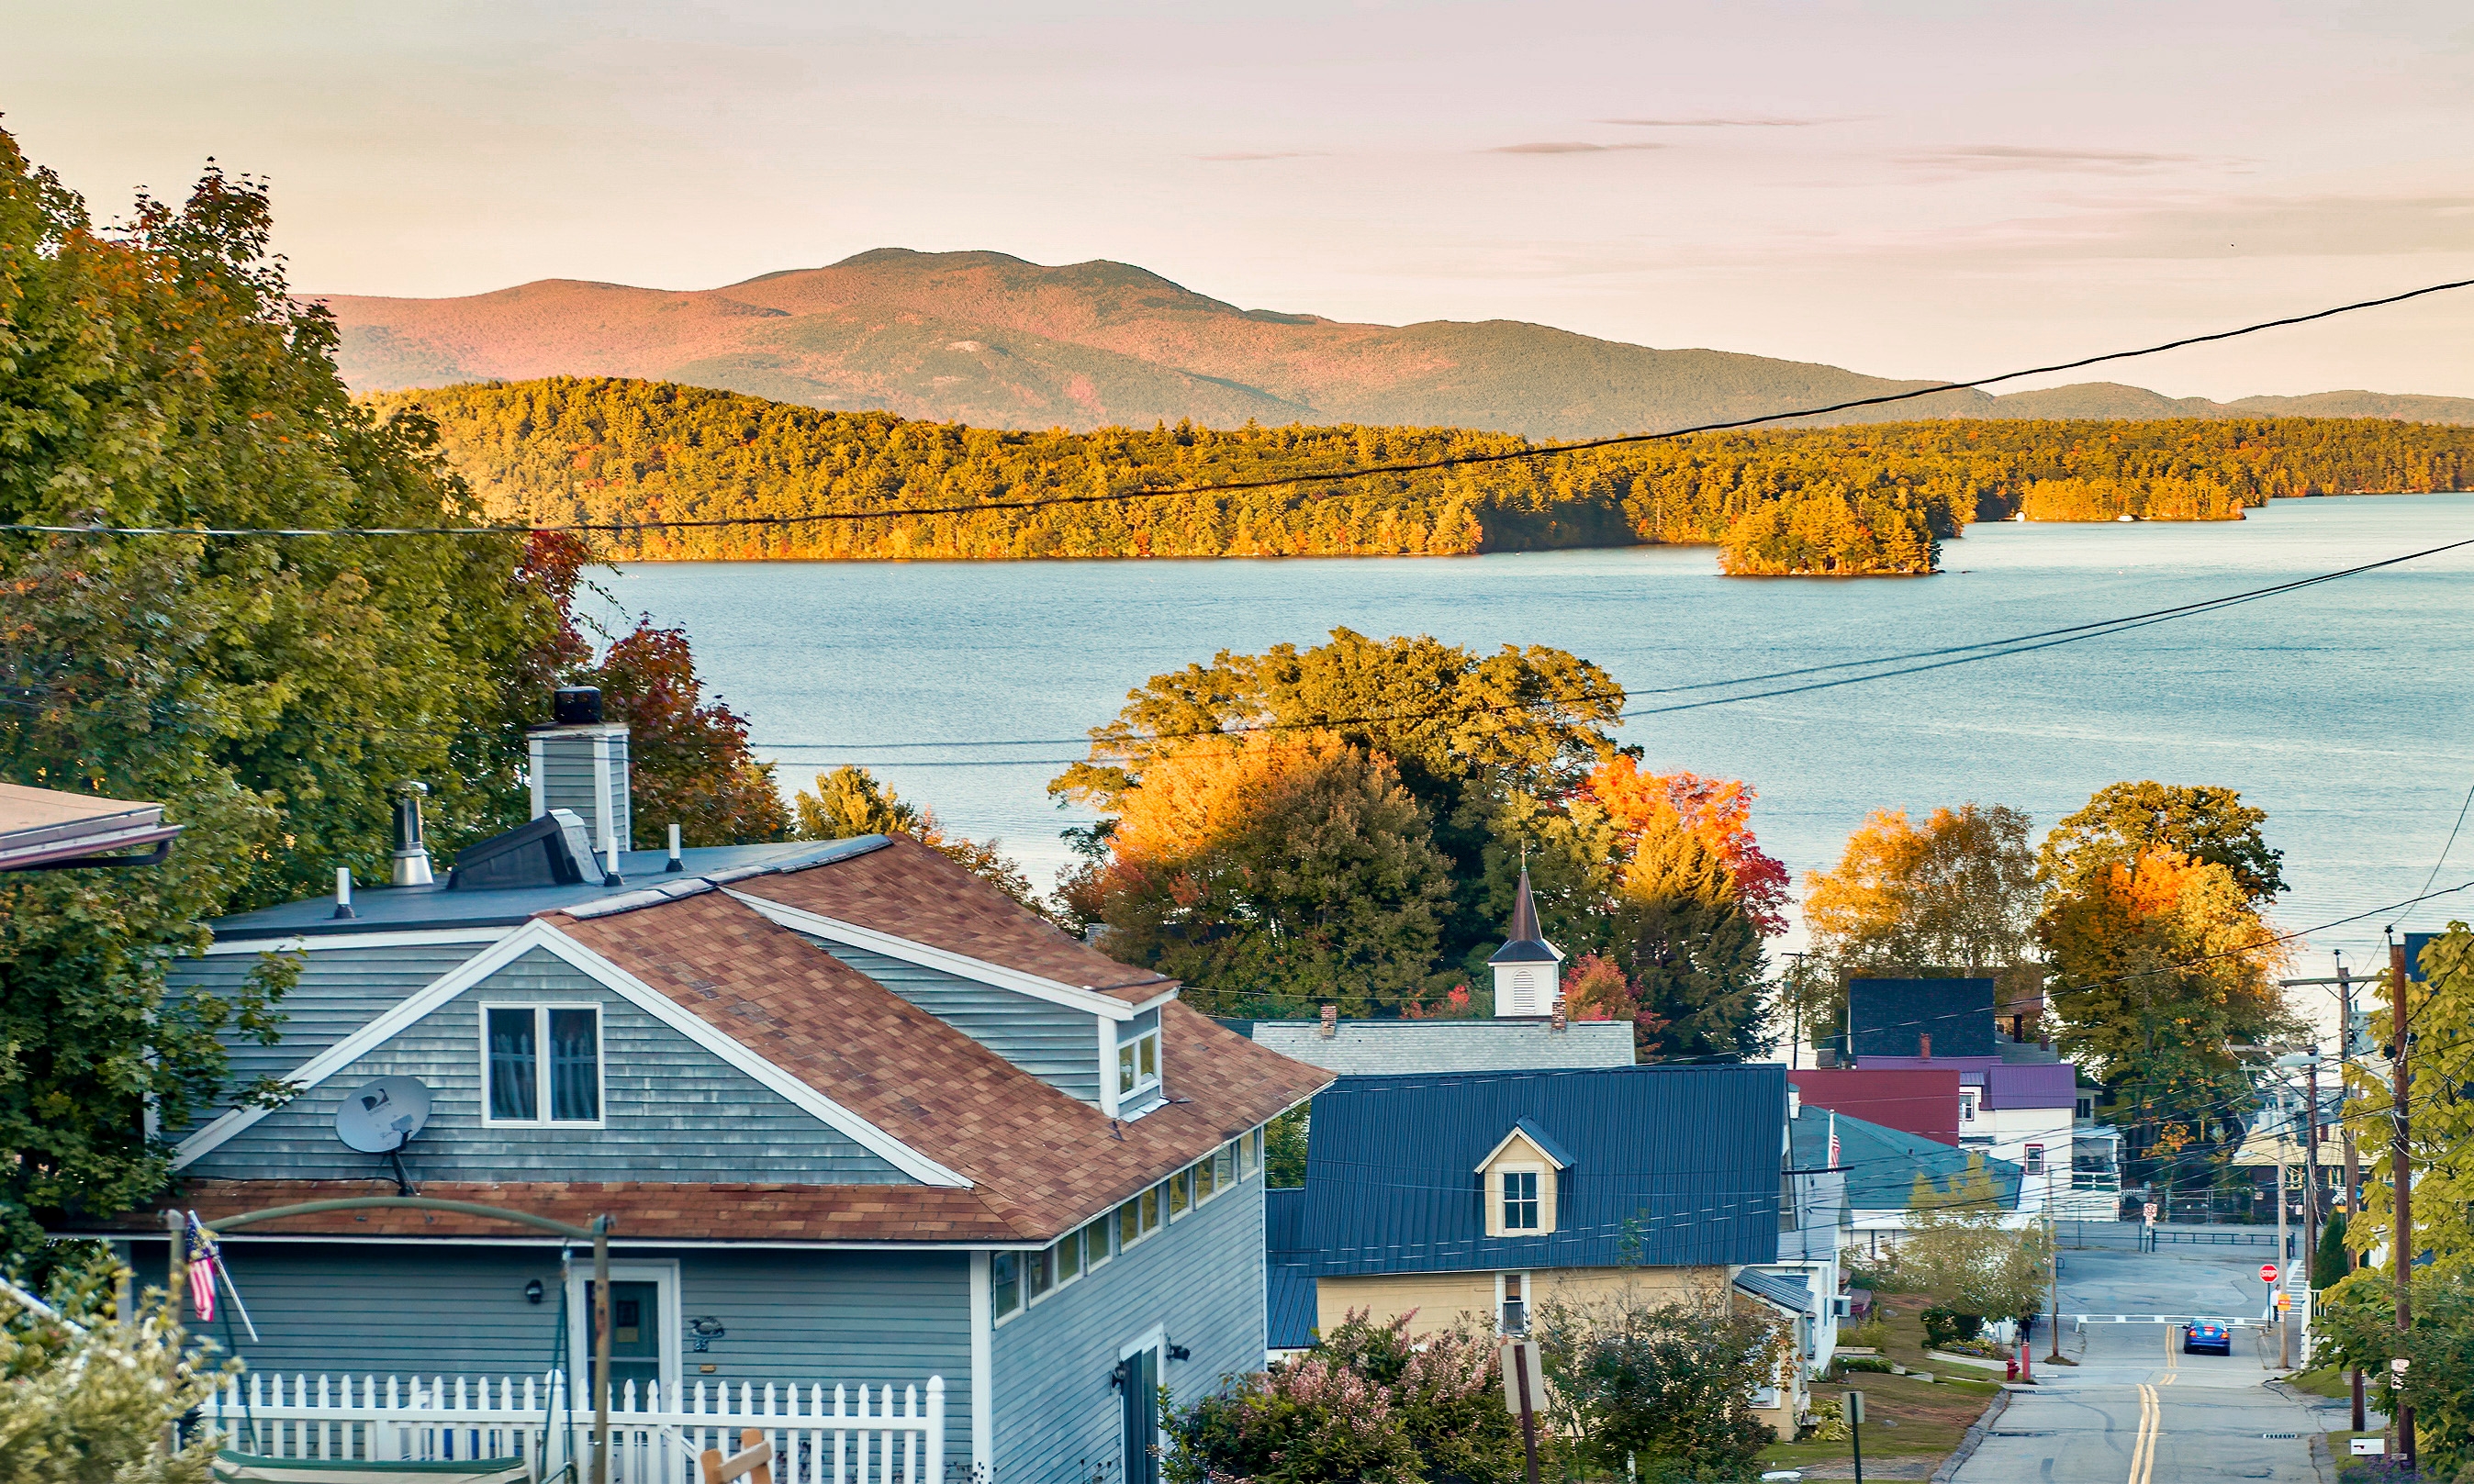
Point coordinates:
pixel 2343 709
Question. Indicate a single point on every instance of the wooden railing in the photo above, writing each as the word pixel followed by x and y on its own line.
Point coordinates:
pixel 841 1434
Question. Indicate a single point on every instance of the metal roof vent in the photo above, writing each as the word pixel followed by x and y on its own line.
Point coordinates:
pixel 411 866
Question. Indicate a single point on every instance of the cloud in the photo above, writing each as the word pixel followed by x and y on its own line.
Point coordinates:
pixel 1565 146
pixel 1981 159
pixel 1727 123
pixel 1266 154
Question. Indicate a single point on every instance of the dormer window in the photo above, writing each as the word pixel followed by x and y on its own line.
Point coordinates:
pixel 1139 1065
pixel 1519 1179
pixel 1519 1201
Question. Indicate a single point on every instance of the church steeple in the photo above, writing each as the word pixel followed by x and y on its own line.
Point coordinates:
pixel 1527 968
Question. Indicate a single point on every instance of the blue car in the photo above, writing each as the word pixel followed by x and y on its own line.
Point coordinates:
pixel 2206 1334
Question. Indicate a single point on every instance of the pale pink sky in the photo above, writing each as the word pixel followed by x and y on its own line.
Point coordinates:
pixel 1907 189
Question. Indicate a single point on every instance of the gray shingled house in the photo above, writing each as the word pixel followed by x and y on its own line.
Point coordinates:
pixel 862 1121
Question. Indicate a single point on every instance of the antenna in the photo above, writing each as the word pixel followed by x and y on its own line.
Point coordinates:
pixel 382 1117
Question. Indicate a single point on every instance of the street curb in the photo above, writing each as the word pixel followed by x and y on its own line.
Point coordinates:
pixel 2321 1462
pixel 1974 1438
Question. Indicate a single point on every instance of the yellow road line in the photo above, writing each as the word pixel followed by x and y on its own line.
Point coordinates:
pixel 2151 1418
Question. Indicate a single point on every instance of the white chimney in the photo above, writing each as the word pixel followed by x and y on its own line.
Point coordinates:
pixel 579 762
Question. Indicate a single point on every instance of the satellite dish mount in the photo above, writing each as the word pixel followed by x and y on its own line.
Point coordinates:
pixel 382 1117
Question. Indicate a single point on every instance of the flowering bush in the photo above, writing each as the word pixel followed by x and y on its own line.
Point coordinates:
pixel 1664 1385
pixel 94 1408
pixel 1367 1404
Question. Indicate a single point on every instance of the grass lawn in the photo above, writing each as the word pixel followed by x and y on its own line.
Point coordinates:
pixel 1903 1418
pixel 2327 1382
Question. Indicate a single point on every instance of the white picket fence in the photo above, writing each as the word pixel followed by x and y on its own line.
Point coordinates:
pixel 842 1435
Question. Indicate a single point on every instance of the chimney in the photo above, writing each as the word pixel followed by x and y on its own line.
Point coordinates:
pixel 1555 1021
pixel 1330 1022
pixel 411 864
pixel 579 762
pixel 1924 1045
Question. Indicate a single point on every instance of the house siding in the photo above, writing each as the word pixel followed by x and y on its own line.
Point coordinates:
pixel 803 1317
pixel 339 991
pixel 1440 1300
pixel 1201 1281
pixel 1056 1044
pixel 670 1108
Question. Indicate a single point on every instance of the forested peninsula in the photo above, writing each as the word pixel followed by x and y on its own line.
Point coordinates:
pixel 1866 499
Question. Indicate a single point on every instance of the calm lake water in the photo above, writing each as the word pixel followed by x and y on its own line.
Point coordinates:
pixel 2343 709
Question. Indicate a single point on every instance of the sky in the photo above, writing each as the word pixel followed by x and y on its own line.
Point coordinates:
pixel 1908 189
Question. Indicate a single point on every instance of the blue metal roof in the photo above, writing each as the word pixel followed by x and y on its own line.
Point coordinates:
pixel 411 908
pixel 1881 1164
pixel 1668 1165
pixel 1287 1272
pixel 1786 1292
pixel 1890 1017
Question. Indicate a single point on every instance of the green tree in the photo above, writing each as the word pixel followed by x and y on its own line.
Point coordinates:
pixel 2356 1326
pixel 95 1408
pixel 850 801
pixel 1692 948
pixel 269 692
pixel 690 761
pixel 1475 740
pixel 1667 1384
pixel 2161 968
pixel 2122 821
pixel 1270 871
pixel 2439 1011
pixel 1959 894
pixel 1958 1249
pixel 2331 1262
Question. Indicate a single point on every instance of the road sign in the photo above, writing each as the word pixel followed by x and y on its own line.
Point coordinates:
pixel 2284 1300
pixel 1524 1386
pixel 2267 1272
pixel 2151 1213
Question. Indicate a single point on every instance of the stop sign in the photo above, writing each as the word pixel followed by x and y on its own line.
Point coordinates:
pixel 2267 1272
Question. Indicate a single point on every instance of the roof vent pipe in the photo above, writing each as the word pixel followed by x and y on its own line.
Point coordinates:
pixel 344 893
pixel 411 864
pixel 676 864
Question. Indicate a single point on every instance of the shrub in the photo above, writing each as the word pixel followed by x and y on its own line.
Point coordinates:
pixel 93 1408
pixel 1365 1404
pixel 1828 1422
pixel 1871 1334
pixel 1844 1364
pixel 1945 1327
pixel 1666 1384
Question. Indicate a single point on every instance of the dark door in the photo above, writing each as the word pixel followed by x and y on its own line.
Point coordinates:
pixel 1141 1417
pixel 635 1336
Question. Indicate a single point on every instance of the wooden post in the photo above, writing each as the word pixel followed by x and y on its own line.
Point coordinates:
pixel 2402 1164
pixel 600 1349
pixel 175 1283
pixel 1528 1415
pixel 753 1461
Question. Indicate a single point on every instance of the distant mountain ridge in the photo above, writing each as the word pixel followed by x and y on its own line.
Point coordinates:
pixel 993 341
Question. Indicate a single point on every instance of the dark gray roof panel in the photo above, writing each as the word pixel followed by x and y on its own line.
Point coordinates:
pixel 1881 1164
pixel 1889 1016
pixel 410 908
pixel 1670 1165
pixel 1786 1292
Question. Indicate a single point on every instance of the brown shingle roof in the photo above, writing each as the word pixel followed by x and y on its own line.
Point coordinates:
pixel 910 891
pixel 681 1213
pixel 1039 1161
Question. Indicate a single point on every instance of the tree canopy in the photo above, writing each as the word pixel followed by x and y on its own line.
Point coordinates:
pixel 270 693
pixel 2122 821
pixel 1854 499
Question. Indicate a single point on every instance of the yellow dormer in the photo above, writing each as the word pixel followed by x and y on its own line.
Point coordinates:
pixel 1520 1177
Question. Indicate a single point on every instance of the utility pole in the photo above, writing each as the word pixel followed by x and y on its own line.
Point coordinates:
pixel 2285 1254
pixel 2053 1276
pixel 2353 1162
pixel 2401 1238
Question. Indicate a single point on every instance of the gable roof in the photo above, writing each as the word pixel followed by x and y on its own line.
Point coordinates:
pixel 1403 1048
pixel 1889 1016
pixel 1528 1131
pixel 1668 1165
pixel 1047 1161
pixel 1919 1101
pixel 1881 1164
pixel 907 890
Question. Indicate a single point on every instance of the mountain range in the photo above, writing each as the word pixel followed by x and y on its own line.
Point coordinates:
pixel 994 340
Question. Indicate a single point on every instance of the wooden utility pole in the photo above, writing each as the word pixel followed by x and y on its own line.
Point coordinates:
pixel 2401 1238
pixel 2353 1160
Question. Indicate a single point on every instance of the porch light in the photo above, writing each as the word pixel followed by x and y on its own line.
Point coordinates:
pixel 533 1291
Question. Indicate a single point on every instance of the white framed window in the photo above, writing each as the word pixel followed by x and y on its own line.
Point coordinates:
pixel 1967 1107
pixel 541 1065
pixel 1512 1303
pixel 1521 1210
pixel 1005 1282
pixel 1139 1065
pixel 2035 1159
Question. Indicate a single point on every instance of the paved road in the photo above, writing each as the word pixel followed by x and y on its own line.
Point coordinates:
pixel 2136 1410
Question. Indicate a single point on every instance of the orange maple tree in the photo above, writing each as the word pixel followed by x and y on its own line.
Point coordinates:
pixel 1718 810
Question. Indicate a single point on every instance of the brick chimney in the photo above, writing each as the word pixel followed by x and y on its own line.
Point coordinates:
pixel 1330 1022
pixel 1924 1045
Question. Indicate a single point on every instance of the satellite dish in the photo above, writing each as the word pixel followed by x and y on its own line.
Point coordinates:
pixel 381 1117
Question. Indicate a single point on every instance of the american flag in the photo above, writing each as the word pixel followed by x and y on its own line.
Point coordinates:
pixel 205 1262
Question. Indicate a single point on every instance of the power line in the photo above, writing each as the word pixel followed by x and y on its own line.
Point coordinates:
pixel 1237 486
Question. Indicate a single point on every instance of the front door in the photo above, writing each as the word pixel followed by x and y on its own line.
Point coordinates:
pixel 635 1336
pixel 1141 1417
